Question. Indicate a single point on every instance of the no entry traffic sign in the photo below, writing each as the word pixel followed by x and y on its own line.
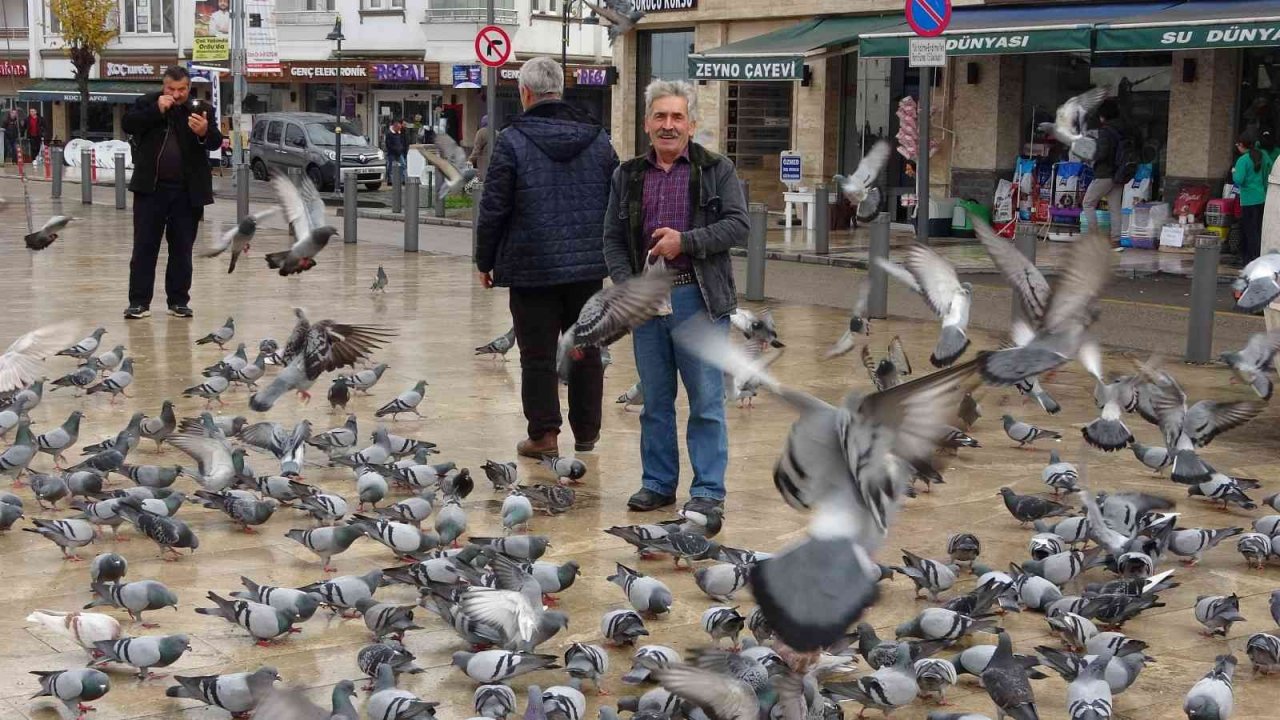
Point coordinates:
pixel 493 46
pixel 928 17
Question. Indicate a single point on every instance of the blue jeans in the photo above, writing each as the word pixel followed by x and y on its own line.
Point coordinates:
pixel 658 359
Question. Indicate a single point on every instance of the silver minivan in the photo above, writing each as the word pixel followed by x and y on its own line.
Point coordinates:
pixel 283 140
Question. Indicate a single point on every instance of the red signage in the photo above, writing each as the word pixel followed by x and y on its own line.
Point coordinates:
pixel 8 68
pixel 493 46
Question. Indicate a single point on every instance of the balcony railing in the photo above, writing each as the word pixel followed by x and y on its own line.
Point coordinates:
pixel 305 17
pixel 14 33
pixel 478 14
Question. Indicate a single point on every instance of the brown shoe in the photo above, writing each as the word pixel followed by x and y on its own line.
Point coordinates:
pixel 548 444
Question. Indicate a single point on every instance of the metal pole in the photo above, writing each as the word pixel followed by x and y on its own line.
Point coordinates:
pixel 922 157
pixel 397 187
pixel 239 170
pixel 350 212
pixel 1204 286
pixel 55 157
pixel 430 181
pixel 877 279
pixel 490 99
pixel 1024 238
pixel 564 34
pixel 476 194
pixel 439 199
pixel 337 128
pixel 759 213
pixel 119 158
pixel 821 220
pixel 86 176
pixel 411 217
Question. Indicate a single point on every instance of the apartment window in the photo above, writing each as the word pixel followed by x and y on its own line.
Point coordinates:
pixel 142 17
pixel 305 5
pixel 545 6
pixel 52 24
pixel 382 4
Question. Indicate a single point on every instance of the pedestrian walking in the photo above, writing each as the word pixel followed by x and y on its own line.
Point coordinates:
pixel 12 131
pixel 171 184
pixel 539 233
pixel 1113 167
pixel 397 148
pixel 480 149
pixel 1250 176
pixel 683 203
pixel 34 128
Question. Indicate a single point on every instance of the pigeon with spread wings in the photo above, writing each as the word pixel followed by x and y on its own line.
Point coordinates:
pixel 936 281
pixel 860 188
pixel 612 313
pixel 23 362
pixel 318 348
pixel 621 14
pixel 237 239
pixel 305 211
pixel 451 160
pixel 1070 122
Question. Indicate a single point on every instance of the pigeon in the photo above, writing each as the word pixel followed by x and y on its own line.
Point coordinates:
pixel 583 662
pixel 1109 433
pixel 44 237
pixel 9 514
pixel 238 237
pixel 60 438
pixel 159 428
pixel 85 629
pixel 411 510
pixel 1076 631
pixel 963 548
pixel 1069 123
pixel 646 594
pixel 83 349
pixel 315 348
pixel 221 336
pixel 1263 650
pixel 1211 698
pixel 720 581
pixel 143 653
pixel 859 324
pixel 1059 475
pixel 611 313
pixel 81 377
pixel 1225 489
pixel 48 489
pixel 365 379
pixel 18 456
pixel 407 541
pixel 1024 433
pixel 304 209
pixel 646 658
pixel 621 14
pixel 451 160
pixel 405 402
pixel 940 624
pixel 342 593
pixel 516 511
pixel 492 666
pixel 170 534
pixel 1258 282
pixel 502 475
pixel 634 396
pixel 723 622
pixel 1089 694
pixel 860 188
pixel 1187 427
pixel 285 445
pixel 244 511
pixel 73 688
pixel 935 280
pixel 934 676
pixel 1062 567
pixel 888 688
pixel 1191 543
pixel 1026 508
pixel 270 350
pixel 327 541
pixel 390 703
pixel 339 393
pixel 66 534
pixel 929 575
pixel 500 345
pixel 1006 682
pixel 566 470
pixel 339 440
pixel 324 507
pixel 385 619
pixel 237 693
pixel 293 705
pixel 387 652
pixel 527 548
pixel 22 363
pixel 495 701
pixel 1218 612
pixel 217 464
pixel 622 627
pixel 293 602
pixel 891 369
pixel 756 329
pixel 135 598
pixel 1254 364
pixel 107 361
pixel 379 281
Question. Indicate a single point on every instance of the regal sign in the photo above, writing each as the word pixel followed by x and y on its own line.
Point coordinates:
pixel 400 72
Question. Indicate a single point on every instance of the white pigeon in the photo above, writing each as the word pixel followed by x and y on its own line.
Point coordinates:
pixel 860 188
pixel 1069 123
pixel 23 362
pixel 85 628
pixel 935 279
pixel 305 211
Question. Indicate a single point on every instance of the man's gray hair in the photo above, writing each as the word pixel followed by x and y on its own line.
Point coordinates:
pixel 542 76
pixel 659 89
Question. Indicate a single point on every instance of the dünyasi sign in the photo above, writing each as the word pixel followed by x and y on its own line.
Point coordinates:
pixel 1121 39
pixel 745 68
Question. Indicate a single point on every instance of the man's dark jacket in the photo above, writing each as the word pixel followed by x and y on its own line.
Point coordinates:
pixel 148 126
pixel 545 192
pixel 397 145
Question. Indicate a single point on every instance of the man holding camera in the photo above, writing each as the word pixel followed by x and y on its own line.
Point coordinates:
pixel 172 137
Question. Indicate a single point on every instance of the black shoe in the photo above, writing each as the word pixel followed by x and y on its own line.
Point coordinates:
pixel 585 445
pixel 137 312
pixel 181 311
pixel 647 500
pixel 704 507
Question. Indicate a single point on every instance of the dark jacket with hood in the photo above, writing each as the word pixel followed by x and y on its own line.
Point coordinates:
pixel 545 192
pixel 149 127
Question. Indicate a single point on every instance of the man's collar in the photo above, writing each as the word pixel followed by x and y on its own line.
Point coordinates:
pixel 652 155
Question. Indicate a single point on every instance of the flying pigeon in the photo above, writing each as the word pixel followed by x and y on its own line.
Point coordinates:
pixel 1259 282
pixel 935 280
pixel 44 237
pixel 860 188
pixel 305 211
pixel 1254 364
pixel 621 14
pixel 237 238
pixel 611 313
pixel 316 348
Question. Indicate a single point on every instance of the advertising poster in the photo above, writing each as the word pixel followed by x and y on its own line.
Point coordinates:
pixel 212 36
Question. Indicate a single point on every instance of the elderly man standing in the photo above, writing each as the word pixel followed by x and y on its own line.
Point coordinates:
pixel 683 203
pixel 540 234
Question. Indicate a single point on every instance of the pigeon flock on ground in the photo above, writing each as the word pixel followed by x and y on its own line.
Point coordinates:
pixel 1095 560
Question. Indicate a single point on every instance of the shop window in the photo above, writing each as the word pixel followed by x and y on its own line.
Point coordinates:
pixel 1260 91
pixel 142 17
pixel 759 123
pixel 660 55
pixel 101 123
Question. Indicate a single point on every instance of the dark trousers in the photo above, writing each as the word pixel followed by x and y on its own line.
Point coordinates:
pixel 166 212
pixel 34 144
pixel 10 148
pixel 1250 232
pixel 540 315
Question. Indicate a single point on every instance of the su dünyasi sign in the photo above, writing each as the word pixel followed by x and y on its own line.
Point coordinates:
pixel 741 68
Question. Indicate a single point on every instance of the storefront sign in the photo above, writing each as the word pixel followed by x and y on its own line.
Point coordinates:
pixel 467 77
pixel 399 72
pixel 8 68
pixel 262 51
pixel 313 72
pixel 928 52
pixel 135 69
pixel 212 31
pixel 1030 41
pixel 652 6
pixel 591 76
pixel 745 68
pixel 790 168
pixel 509 73
pixel 1188 37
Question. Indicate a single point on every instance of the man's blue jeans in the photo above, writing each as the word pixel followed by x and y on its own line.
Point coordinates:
pixel 659 359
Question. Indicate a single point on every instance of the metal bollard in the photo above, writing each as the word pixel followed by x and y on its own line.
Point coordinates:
pixel 86 176
pixel 120 184
pixel 1024 238
pixel 350 211
pixel 877 278
pixel 56 160
pixel 821 220
pixel 242 176
pixel 746 190
pixel 429 180
pixel 397 188
pixel 411 216
pixel 439 199
pixel 476 194
pixel 294 174
pixel 759 213
pixel 1204 289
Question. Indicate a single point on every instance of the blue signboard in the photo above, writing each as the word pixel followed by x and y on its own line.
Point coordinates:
pixel 928 17
pixel 790 168
pixel 467 77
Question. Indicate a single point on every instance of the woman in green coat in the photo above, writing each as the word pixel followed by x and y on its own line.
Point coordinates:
pixel 1250 177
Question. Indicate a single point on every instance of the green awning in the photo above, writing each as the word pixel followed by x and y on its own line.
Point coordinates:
pixel 1193 25
pixel 781 54
pixel 103 91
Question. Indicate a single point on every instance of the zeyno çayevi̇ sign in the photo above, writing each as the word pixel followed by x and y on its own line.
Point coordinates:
pixel 745 68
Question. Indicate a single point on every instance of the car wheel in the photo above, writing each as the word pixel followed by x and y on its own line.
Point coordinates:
pixel 313 174
pixel 373 186
pixel 259 169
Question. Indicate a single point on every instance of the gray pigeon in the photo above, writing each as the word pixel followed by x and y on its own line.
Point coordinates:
pixel 107 361
pixel 222 335
pixel 622 627
pixel 611 313
pixel 1026 508
pixel 490 666
pixel 563 702
pixel 1089 695
pixel 316 348
pixel 1263 650
pixel 366 379
pixel 161 427
pixel 305 211
pixel 935 280
pixel 566 470
pixel 86 347
pixel 1217 613
pixel 238 238
pixel 929 575
pixel 244 511
pixel 299 604
pixel 385 619
pixel 934 676
pixel 144 653
pixel 48 489
pixel 15 459
pixel 405 402
pixel 237 693
pixel 720 581
pixel 861 188
pixel 108 567
pixel 1191 543
pixel 723 622
pixel 81 377
pixel 379 281
pixel 494 701
pixel 407 541
pixel 135 598
pixel 451 522
pixel 293 705
pixel 887 689
pixel 1254 364
pixel 151 476
pixel 342 593
pixel 387 652
pixel 646 658
pixel 326 508
pixel 517 547
pixel 1156 458
pixel 1189 426
pixel 586 662
pixel 66 534
pixel 633 395
pixel 646 594
pixel 500 345
pixel 44 237
pixel 73 688
pixel 1059 475
pixel 1212 698
pixel 940 624
pixel 389 703
pixel 502 475
pixel 1006 682
pixel 1024 433
pixel 517 511
pixel 170 534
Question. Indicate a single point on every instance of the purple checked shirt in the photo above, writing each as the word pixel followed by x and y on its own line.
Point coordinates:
pixel 666 202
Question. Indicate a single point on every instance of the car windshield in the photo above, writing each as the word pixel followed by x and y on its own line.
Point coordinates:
pixel 322 134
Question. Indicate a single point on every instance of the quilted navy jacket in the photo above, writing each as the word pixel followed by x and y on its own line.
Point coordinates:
pixel 542 214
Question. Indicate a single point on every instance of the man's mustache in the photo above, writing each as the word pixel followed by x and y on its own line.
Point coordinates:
pixel 669 134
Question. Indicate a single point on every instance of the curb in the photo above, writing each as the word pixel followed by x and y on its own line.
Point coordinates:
pixel 399 217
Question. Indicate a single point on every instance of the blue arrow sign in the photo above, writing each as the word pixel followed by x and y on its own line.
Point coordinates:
pixel 928 18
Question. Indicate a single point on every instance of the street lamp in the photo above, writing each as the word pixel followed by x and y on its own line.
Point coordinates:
pixel 336 36
pixel 564 30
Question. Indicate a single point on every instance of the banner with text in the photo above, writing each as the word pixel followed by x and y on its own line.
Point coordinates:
pixel 728 67
pixel 1188 37
pixel 212 32
pixel 262 48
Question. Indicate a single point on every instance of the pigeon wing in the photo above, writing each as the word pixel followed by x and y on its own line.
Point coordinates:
pixel 898 355
pixel 1026 280
pixel 23 362
pixel 935 276
pixel 615 310
pixel 720 696
pixel 294 205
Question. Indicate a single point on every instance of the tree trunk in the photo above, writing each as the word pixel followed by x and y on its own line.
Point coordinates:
pixel 83 59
